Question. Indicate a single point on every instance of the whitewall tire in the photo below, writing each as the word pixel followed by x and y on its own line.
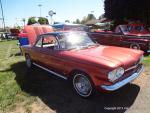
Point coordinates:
pixel 82 85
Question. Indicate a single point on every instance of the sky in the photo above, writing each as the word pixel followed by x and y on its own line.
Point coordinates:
pixel 14 10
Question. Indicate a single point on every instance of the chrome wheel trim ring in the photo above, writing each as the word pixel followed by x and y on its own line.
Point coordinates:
pixel 135 46
pixel 82 85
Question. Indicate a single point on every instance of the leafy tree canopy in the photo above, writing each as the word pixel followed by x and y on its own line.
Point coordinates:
pixel 67 21
pixel 127 9
pixel 122 11
pixel 90 17
pixel 85 19
pixel 77 21
pixel 32 20
pixel 43 20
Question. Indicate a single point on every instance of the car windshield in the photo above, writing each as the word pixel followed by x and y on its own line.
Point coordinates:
pixel 126 28
pixel 139 28
pixel 75 40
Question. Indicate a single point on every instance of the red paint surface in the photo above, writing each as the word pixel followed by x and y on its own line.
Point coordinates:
pixel 32 31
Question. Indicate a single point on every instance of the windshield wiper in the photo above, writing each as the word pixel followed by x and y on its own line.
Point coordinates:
pixel 83 47
pixel 92 45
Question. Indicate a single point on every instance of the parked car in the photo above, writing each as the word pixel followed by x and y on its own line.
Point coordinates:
pixel 133 36
pixel 74 56
pixel 14 33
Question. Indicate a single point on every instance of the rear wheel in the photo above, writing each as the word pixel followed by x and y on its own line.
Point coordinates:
pixel 82 85
pixel 28 61
pixel 135 46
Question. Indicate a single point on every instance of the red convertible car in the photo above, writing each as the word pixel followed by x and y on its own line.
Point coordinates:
pixel 133 36
pixel 74 56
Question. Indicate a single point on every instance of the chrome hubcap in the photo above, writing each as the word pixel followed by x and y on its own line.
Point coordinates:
pixel 82 85
pixel 135 47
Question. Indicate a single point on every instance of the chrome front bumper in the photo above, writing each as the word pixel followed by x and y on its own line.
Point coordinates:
pixel 123 82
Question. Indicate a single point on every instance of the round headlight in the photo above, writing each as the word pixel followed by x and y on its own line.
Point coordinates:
pixel 115 74
pixel 120 72
pixel 112 75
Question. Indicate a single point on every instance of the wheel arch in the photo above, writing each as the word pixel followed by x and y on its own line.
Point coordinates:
pixel 72 72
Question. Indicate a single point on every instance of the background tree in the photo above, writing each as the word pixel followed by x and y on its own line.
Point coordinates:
pixel 67 21
pixel 19 27
pixel 90 17
pixel 32 20
pixel 43 20
pixel 83 21
pixel 122 10
pixel 77 21
pixel 101 16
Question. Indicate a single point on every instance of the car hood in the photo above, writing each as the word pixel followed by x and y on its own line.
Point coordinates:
pixel 109 56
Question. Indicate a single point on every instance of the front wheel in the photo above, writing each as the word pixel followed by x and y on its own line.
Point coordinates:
pixel 82 85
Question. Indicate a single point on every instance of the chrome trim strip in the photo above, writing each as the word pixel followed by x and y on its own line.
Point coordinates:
pixel 123 82
pixel 131 68
pixel 130 36
pixel 61 76
pixel 107 34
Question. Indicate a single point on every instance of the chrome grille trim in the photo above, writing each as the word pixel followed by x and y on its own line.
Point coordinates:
pixel 133 67
pixel 123 82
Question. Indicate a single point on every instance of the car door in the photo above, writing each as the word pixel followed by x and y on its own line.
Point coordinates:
pixel 116 39
pixel 36 51
pixel 51 55
pixel 101 38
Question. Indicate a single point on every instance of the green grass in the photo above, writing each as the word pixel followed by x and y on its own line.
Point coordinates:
pixel 147 61
pixel 10 92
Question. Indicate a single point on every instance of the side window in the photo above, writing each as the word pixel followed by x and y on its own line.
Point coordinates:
pixel 50 42
pixel 39 43
pixel 130 28
pixel 117 30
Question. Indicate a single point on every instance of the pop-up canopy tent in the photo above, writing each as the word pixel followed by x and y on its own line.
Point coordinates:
pixel 32 31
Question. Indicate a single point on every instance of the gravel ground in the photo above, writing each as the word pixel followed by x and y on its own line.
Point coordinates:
pixel 142 102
